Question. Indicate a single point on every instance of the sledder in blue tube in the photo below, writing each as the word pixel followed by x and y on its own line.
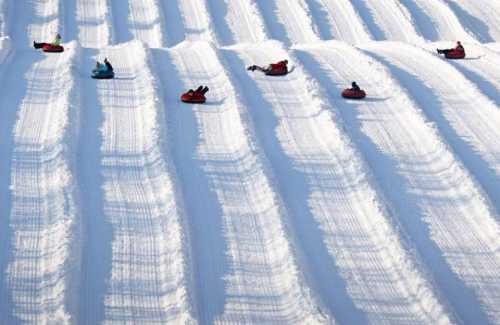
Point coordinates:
pixel 103 70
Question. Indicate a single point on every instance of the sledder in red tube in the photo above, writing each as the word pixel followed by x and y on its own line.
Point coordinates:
pixel 456 53
pixel 354 92
pixel 195 96
pixel 274 69
pixel 55 46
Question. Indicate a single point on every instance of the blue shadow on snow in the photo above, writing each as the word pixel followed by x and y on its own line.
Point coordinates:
pixel 203 211
pixel 295 191
pixel 395 188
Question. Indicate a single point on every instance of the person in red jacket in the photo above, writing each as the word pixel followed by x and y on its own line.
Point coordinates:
pixel 281 66
pixel 458 48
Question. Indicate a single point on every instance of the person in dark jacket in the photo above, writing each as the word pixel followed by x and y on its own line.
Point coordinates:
pixel 108 65
pixel 56 42
pixel 459 48
pixel 279 66
pixel 200 90
pixel 354 86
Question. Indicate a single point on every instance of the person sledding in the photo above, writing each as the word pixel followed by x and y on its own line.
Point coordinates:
pixel 458 52
pixel 274 69
pixel 55 46
pixel 103 70
pixel 196 96
pixel 355 92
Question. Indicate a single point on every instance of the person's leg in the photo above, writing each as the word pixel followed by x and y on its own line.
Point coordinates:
pixel 199 89
pixel 204 91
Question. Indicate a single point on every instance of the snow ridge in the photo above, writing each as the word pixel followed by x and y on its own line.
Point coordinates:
pixel 147 270
pixel 253 234
pixel 277 201
pixel 43 210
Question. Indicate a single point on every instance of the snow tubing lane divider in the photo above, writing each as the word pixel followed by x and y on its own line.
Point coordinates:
pixel 52 48
pixel 353 94
pixel 455 55
pixel 193 98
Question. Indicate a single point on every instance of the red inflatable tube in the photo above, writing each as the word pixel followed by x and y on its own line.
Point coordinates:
pixel 455 54
pixel 353 94
pixel 52 48
pixel 193 98
pixel 277 72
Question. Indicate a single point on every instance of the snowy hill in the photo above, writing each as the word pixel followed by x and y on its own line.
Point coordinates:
pixel 277 201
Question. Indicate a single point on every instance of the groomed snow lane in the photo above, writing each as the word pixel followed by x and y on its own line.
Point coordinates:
pixel 246 270
pixel 435 197
pixel 93 23
pixel 326 188
pixel 41 212
pixel 145 280
pixel 465 117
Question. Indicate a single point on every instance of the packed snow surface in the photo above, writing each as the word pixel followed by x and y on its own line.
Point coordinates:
pixel 275 202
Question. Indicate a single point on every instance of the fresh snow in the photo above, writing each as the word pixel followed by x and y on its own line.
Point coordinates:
pixel 277 201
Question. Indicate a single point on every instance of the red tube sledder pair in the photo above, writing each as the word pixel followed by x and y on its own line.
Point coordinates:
pixel 195 96
pixel 198 96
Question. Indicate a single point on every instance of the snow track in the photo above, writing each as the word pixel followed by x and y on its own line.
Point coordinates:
pixel 277 201
pixel 481 67
pixel 34 20
pixel 145 22
pixel 450 198
pixel 304 135
pixel 338 20
pixel 478 17
pixel 238 223
pixel 195 20
pixel 288 20
pixel 147 277
pixel 387 20
pixel 237 21
pixel 93 23
pixel 42 210
pixel 436 21
pixel 473 133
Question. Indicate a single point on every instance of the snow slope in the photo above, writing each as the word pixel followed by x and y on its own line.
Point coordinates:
pixel 398 131
pixel 277 201
pixel 237 212
pixel 140 228
pixel 41 213
pixel 330 177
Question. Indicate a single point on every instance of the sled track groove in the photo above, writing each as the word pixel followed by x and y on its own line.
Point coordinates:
pixel 320 165
pixel 287 21
pixel 437 21
pixel 247 231
pixel 42 212
pixel 443 196
pixel 472 133
pixel 93 25
pixel 146 22
pixel 146 273
pixel 275 202
pixel 338 20
pixel 236 21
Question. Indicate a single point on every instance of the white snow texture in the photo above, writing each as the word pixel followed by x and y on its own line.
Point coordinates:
pixel 275 202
